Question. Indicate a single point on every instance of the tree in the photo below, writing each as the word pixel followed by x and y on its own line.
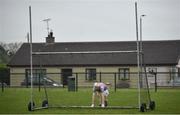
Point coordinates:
pixel 8 50
pixel 4 58
pixel 12 48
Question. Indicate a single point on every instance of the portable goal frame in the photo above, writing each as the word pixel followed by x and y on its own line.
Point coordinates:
pixel 140 65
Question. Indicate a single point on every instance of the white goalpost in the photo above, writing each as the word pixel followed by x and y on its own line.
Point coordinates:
pixel 142 80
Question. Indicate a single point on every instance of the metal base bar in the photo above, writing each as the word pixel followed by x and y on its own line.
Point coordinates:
pixel 97 107
pixel 89 107
pixel 39 108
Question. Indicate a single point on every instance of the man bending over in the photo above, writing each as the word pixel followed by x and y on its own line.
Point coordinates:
pixel 100 90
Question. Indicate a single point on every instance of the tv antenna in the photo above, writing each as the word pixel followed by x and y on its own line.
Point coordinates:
pixel 47 21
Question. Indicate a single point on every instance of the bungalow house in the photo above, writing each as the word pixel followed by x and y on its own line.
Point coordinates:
pixel 161 56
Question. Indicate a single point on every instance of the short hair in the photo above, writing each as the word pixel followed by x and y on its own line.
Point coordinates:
pixel 107 83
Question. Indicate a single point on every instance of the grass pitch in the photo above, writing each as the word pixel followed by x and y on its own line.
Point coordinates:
pixel 15 100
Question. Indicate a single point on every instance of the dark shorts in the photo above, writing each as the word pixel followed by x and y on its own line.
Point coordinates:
pixel 97 89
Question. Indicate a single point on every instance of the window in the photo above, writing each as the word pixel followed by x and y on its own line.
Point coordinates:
pixel 38 74
pixel 90 74
pixel 178 72
pixel 123 74
pixel 172 73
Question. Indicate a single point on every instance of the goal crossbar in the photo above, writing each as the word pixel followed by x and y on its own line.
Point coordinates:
pixel 84 52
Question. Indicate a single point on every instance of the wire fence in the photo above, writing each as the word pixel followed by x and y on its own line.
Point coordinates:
pixel 85 80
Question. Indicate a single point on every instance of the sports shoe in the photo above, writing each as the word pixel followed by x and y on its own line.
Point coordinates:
pixel 102 105
pixel 92 105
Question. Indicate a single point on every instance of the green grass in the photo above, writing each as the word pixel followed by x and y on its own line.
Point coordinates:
pixel 15 100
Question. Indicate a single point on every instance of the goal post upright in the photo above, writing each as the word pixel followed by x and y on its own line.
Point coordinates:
pixel 138 54
pixel 31 65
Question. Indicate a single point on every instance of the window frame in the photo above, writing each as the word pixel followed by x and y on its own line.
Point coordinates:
pixel 36 75
pixel 124 75
pixel 90 76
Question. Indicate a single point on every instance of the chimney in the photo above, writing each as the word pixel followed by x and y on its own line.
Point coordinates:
pixel 50 38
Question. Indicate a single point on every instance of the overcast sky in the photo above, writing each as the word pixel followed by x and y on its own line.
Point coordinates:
pixel 89 20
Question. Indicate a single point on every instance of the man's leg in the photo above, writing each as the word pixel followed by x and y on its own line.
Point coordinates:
pixel 93 99
pixel 105 101
pixel 102 100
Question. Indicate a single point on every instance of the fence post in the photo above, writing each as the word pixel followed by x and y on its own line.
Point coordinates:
pixel 39 82
pixel 2 83
pixel 100 76
pixel 76 82
pixel 2 74
pixel 1 80
pixel 26 78
pixel 155 74
pixel 115 82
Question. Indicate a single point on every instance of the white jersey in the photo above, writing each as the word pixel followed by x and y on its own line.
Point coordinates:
pixel 100 87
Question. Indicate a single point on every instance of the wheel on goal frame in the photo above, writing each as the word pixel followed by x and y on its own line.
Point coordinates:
pixel 152 105
pixel 45 103
pixel 31 106
pixel 143 107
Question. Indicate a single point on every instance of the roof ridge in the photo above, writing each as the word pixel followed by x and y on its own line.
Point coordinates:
pixel 106 41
